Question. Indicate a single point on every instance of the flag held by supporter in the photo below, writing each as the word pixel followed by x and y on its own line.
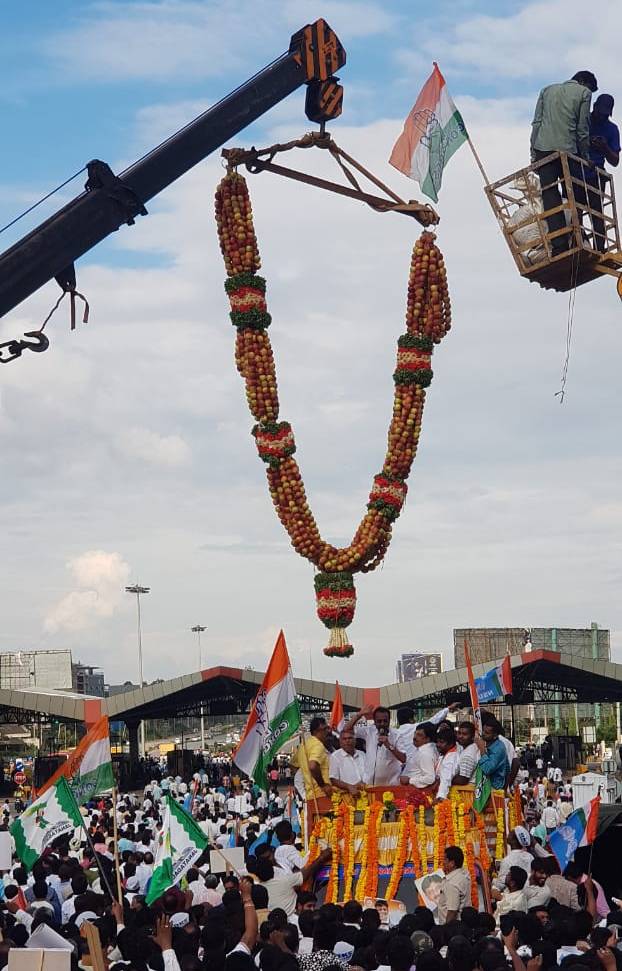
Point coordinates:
pixel 180 844
pixel 579 829
pixel 336 713
pixel 51 815
pixel 274 718
pixel 496 683
pixel 88 769
pixel 433 131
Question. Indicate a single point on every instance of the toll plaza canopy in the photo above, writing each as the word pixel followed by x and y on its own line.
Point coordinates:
pixel 540 677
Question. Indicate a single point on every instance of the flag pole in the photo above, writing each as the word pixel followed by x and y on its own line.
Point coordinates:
pixel 90 842
pixel 304 753
pixel 478 160
pixel 115 836
pixel 477 715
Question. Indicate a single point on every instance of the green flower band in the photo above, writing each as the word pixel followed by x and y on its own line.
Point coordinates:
pixel 422 377
pixel 418 341
pixel 252 319
pixel 240 280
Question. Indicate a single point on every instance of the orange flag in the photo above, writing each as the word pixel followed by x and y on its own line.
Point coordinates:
pixel 336 713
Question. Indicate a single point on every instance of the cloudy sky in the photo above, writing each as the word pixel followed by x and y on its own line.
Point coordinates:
pixel 126 447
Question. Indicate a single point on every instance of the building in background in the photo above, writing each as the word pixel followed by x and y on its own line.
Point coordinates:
pixel 490 643
pixel 88 680
pixel 119 689
pixel 47 670
pixel 413 666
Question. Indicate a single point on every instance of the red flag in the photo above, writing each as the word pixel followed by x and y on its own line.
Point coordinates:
pixel 472 689
pixel 506 675
pixel 336 712
pixel 591 811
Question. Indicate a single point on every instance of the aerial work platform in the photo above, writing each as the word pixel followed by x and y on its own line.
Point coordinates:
pixel 573 241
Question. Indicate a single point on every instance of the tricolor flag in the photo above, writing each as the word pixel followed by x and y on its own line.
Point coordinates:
pixel 88 769
pixel 180 844
pixel 274 718
pixel 51 815
pixel 433 131
pixel 495 684
pixel 336 712
pixel 578 830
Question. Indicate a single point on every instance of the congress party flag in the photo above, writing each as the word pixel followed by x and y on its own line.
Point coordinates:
pixel 53 814
pixel 496 683
pixel 578 830
pixel 180 844
pixel 88 769
pixel 274 718
pixel 433 131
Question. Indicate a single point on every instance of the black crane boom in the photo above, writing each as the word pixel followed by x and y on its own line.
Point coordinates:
pixel 49 251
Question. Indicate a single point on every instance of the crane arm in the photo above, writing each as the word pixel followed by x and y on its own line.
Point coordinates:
pixel 109 201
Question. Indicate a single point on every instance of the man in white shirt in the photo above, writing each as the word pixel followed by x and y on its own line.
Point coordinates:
pixel 286 856
pixel 447 766
pixel 346 766
pixel 558 775
pixel 518 855
pixel 468 757
pixel 550 817
pixel 383 759
pixel 406 725
pixel 420 769
pixel 513 897
pixel 144 871
pixel 281 886
pixel 536 890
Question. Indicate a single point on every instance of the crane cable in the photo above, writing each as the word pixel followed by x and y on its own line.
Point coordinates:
pixel 43 199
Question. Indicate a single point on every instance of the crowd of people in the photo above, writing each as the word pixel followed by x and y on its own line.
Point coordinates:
pixel 270 915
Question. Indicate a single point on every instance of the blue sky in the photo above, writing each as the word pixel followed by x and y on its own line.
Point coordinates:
pixel 126 446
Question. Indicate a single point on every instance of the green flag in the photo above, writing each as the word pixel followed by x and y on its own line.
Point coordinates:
pixel 180 843
pixel 51 815
pixel 483 788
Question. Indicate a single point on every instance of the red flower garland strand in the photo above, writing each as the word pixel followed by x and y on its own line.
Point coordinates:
pixel 428 318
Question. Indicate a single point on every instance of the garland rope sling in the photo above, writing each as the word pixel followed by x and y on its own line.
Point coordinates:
pixel 428 318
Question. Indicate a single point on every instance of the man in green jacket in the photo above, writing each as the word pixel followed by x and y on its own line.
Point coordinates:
pixel 561 123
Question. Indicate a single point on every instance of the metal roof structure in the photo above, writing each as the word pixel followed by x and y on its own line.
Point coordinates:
pixel 541 677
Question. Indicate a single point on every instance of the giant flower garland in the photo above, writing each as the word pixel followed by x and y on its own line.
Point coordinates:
pixel 428 318
pixel 423 839
pixel 332 889
pixel 348 848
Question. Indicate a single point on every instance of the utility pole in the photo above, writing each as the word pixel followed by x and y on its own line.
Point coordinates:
pixel 138 590
pixel 198 630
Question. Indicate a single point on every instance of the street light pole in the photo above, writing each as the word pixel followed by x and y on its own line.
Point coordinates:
pixel 138 590
pixel 198 630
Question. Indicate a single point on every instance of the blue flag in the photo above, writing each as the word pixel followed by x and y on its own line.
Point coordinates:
pixel 567 838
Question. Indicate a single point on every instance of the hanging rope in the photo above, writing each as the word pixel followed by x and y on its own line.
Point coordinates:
pixel 572 295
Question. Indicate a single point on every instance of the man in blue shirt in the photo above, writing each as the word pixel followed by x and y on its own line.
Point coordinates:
pixel 604 147
pixel 493 759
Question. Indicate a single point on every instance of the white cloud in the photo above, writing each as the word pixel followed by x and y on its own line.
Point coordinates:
pixel 175 39
pixel 149 446
pixel 100 579
pixel 518 46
